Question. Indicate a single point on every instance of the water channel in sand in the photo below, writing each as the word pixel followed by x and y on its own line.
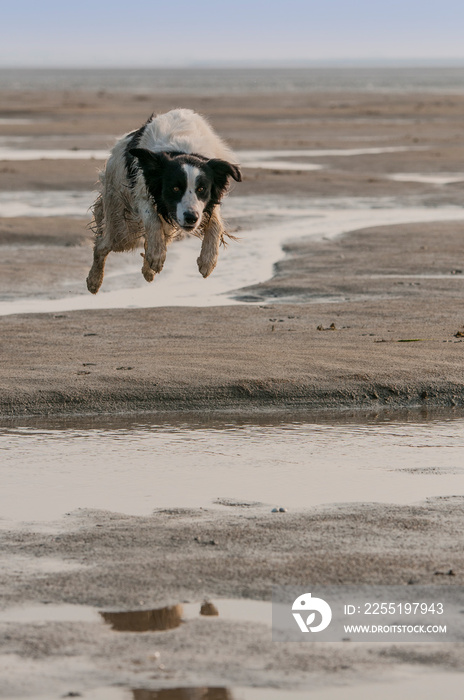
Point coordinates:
pixel 265 223
pixel 262 223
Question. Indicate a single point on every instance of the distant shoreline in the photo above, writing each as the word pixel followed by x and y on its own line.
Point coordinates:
pixel 219 80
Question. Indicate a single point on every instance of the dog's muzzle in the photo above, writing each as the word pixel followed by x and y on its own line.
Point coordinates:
pixel 191 220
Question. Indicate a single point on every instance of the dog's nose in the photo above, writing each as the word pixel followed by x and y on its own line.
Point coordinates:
pixel 190 218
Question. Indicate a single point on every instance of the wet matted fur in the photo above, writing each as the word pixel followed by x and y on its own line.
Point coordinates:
pixel 160 182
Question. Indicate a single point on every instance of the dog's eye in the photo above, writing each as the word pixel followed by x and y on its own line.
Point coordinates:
pixel 176 189
pixel 200 189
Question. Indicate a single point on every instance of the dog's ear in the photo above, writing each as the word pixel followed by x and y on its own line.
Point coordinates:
pixel 151 163
pixel 222 170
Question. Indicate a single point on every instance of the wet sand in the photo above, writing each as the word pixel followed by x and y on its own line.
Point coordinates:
pixel 404 283
pixel 394 298
pixel 403 353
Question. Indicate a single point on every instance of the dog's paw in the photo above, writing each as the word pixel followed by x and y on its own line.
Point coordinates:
pixel 155 262
pixel 206 266
pixel 94 282
pixel 147 272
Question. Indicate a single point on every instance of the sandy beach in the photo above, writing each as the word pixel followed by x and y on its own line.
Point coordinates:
pixel 378 286
pixel 371 319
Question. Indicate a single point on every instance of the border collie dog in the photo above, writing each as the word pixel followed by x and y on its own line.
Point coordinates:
pixel 160 182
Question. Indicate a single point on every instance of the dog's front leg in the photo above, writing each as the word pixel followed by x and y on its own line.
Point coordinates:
pixel 155 243
pixel 212 239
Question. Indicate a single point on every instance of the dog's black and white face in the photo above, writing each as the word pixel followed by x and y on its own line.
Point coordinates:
pixel 184 186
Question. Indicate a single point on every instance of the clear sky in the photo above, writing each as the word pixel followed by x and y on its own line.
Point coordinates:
pixel 182 32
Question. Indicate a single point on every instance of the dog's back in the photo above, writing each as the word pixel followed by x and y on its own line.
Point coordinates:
pixel 186 131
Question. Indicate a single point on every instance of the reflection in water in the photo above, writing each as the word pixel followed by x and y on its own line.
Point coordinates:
pixel 170 617
pixel 145 620
pixel 183 694
pixel 158 619
pixel 426 686
pixel 208 608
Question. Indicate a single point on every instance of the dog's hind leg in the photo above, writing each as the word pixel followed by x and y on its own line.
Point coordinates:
pixel 212 238
pixel 101 249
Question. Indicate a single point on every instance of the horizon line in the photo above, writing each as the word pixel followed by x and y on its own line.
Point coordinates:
pixel 262 64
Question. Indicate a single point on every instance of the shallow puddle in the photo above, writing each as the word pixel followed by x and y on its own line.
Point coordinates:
pixel 49 203
pixel 282 165
pixel 418 684
pixel 426 686
pixel 17 121
pixel 411 682
pixel 139 464
pixel 40 613
pixel 17 154
pixel 251 159
pixel 143 620
pixel 429 178
pixel 261 158
pixel 170 617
